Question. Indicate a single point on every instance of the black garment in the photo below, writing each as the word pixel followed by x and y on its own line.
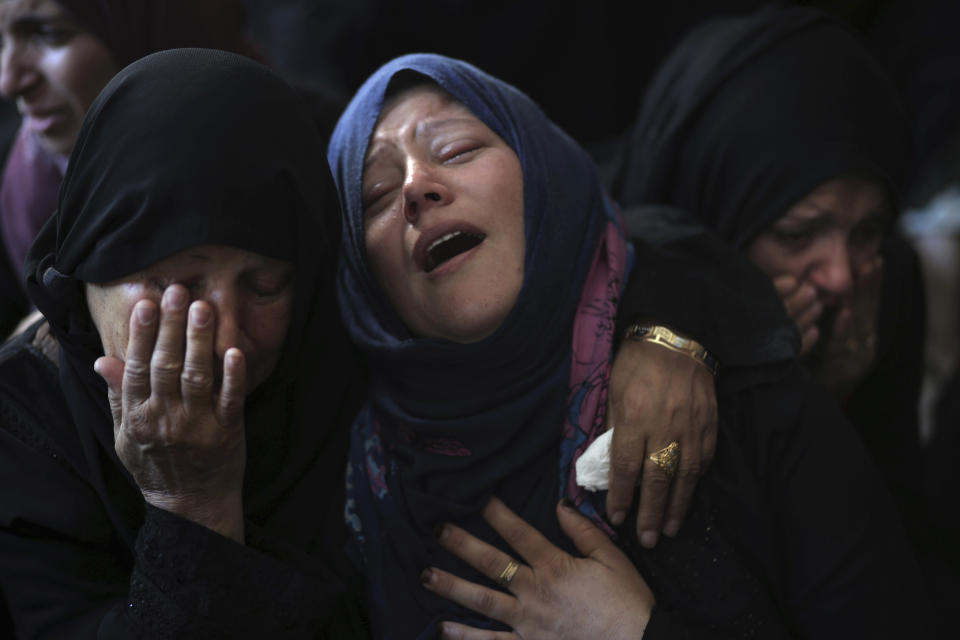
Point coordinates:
pixel 942 476
pixel 884 406
pixel 182 148
pixel 790 533
pixel 14 304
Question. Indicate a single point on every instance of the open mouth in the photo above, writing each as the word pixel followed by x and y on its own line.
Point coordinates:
pixel 449 246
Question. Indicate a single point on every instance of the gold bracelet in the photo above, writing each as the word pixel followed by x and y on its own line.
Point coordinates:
pixel 666 338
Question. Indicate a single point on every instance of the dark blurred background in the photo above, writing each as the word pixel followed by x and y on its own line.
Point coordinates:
pixel 587 63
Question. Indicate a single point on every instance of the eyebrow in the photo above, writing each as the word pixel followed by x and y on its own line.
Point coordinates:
pixel 427 127
pixel 422 129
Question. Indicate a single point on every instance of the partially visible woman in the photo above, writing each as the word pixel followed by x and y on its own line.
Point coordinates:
pixel 191 264
pixel 468 213
pixel 56 56
pixel 781 133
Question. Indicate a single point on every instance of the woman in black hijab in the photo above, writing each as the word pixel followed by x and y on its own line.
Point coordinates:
pixel 779 132
pixel 199 162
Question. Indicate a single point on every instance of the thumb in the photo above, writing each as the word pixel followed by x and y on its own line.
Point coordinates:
pixel 589 539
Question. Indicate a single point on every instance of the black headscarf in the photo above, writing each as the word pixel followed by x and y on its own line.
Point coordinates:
pixel 191 147
pixel 132 30
pixel 750 114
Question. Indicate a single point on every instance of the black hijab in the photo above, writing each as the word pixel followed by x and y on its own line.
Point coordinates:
pixel 749 114
pixel 132 30
pixel 190 147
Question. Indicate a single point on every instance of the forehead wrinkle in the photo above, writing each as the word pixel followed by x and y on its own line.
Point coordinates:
pixel 430 126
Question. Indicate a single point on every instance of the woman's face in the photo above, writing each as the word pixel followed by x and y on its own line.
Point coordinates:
pixel 827 237
pixel 52 67
pixel 251 296
pixel 443 216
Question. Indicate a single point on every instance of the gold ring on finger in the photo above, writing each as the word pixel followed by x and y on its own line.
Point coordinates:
pixel 667 458
pixel 509 572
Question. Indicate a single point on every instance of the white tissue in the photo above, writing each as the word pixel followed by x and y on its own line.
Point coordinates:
pixel 593 466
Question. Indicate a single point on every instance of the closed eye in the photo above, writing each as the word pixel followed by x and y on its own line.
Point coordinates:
pixel 269 285
pixel 377 198
pixel 458 151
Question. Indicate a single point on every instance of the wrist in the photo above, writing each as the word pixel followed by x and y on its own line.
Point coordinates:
pixel 223 514
pixel 669 339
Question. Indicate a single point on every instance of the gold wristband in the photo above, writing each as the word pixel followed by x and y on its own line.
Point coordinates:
pixel 667 338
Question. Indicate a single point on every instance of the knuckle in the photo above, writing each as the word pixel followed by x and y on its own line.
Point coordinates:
pixel 196 379
pixel 165 368
pixel 625 465
pixel 515 531
pixel 136 368
pixel 492 564
pixel 484 600
pixel 690 471
pixel 655 480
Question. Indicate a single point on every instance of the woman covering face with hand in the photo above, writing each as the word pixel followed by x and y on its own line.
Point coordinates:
pixel 190 264
pixel 783 135
pixel 481 273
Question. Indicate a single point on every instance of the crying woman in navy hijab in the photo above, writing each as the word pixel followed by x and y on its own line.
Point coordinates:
pixel 481 275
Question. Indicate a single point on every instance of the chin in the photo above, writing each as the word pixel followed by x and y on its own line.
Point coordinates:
pixel 56 146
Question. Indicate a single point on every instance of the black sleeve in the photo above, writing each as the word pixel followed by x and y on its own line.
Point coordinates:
pixel 67 574
pixel 848 569
pixel 14 304
pixel 188 582
pixel 688 279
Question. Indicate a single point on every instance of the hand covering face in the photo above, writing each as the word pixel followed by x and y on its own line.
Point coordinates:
pixel 191 147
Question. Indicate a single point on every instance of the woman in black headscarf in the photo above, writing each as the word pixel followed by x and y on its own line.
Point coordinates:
pixel 780 133
pixel 200 168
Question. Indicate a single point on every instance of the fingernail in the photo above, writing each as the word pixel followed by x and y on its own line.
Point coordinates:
pixel 617 518
pixel 567 503
pixel 426 576
pixel 442 531
pixel 146 313
pixel 648 539
pixel 176 298
pixel 672 528
pixel 199 315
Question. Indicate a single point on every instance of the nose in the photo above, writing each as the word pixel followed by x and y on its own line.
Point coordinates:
pixel 423 190
pixel 833 272
pixel 18 71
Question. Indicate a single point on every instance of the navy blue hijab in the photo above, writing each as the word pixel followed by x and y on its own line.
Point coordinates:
pixel 448 425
